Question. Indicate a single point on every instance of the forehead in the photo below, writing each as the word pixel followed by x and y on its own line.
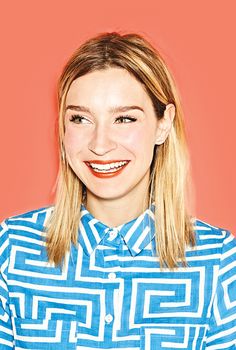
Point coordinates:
pixel 113 84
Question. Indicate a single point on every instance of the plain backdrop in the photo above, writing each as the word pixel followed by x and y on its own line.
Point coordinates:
pixel 197 40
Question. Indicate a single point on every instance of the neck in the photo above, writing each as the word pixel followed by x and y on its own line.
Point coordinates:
pixel 115 212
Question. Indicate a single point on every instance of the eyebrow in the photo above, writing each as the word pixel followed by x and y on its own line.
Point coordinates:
pixel 114 109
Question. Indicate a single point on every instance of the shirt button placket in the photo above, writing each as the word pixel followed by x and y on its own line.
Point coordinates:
pixel 108 318
pixel 112 276
pixel 112 240
pixel 113 233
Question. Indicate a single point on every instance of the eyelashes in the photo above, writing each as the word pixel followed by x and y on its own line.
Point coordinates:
pixel 78 118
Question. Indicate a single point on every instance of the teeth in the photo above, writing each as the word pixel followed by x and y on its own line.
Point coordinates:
pixel 107 171
pixel 107 166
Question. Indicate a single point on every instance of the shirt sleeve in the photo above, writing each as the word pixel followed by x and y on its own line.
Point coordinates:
pixel 222 326
pixel 6 334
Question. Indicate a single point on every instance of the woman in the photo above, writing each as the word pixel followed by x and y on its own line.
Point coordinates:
pixel 118 261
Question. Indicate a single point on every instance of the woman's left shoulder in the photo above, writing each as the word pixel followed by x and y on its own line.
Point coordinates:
pixel 207 233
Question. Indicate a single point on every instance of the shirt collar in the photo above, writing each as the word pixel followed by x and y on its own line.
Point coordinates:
pixel 136 233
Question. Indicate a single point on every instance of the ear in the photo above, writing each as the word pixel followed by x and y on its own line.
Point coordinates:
pixel 165 124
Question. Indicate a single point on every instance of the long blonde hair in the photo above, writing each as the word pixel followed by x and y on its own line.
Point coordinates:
pixel 169 171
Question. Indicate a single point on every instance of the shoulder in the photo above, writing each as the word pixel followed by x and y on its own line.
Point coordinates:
pixel 26 228
pixel 210 236
pixel 35 218
pixel 208 231
pixel 205 230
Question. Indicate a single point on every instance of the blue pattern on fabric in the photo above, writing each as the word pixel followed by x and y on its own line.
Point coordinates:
pixel 112 293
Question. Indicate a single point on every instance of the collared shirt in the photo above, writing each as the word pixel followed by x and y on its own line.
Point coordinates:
pixel 112 293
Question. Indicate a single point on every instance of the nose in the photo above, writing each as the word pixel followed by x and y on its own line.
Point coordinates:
pixel 101 141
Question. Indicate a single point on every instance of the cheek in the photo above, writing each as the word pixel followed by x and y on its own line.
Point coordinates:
pixel 140 141
pixel 72 141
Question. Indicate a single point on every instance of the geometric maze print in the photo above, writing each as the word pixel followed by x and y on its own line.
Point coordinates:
pixel 164 297
pixel 112 293
pixel 36 334
pixel 187 337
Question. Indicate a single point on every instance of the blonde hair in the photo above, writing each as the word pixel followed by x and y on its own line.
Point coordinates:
pixel 169 170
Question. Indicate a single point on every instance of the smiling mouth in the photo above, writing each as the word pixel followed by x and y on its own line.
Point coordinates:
pixel 107 168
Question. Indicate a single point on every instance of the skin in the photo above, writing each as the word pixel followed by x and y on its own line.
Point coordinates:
pixel 101 136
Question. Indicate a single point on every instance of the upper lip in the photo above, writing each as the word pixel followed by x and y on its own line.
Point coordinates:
pixel 106 161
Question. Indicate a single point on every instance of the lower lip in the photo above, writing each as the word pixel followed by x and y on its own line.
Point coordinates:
pixel 107 175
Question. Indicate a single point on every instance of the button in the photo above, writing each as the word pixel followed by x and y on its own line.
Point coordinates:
pixel 108 318
pixel 113 233
pixel 112 276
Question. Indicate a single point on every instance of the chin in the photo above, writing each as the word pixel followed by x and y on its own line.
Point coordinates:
pixel 107 195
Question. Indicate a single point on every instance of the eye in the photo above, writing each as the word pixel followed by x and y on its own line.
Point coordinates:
pixel 76 118
pixel 132 119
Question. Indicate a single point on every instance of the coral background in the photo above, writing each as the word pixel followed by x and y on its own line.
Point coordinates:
pixel 197 40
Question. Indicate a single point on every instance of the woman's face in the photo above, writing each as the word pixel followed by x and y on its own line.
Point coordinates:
pixel 110 119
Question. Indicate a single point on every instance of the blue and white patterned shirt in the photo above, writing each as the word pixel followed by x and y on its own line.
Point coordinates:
pixel 112 293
